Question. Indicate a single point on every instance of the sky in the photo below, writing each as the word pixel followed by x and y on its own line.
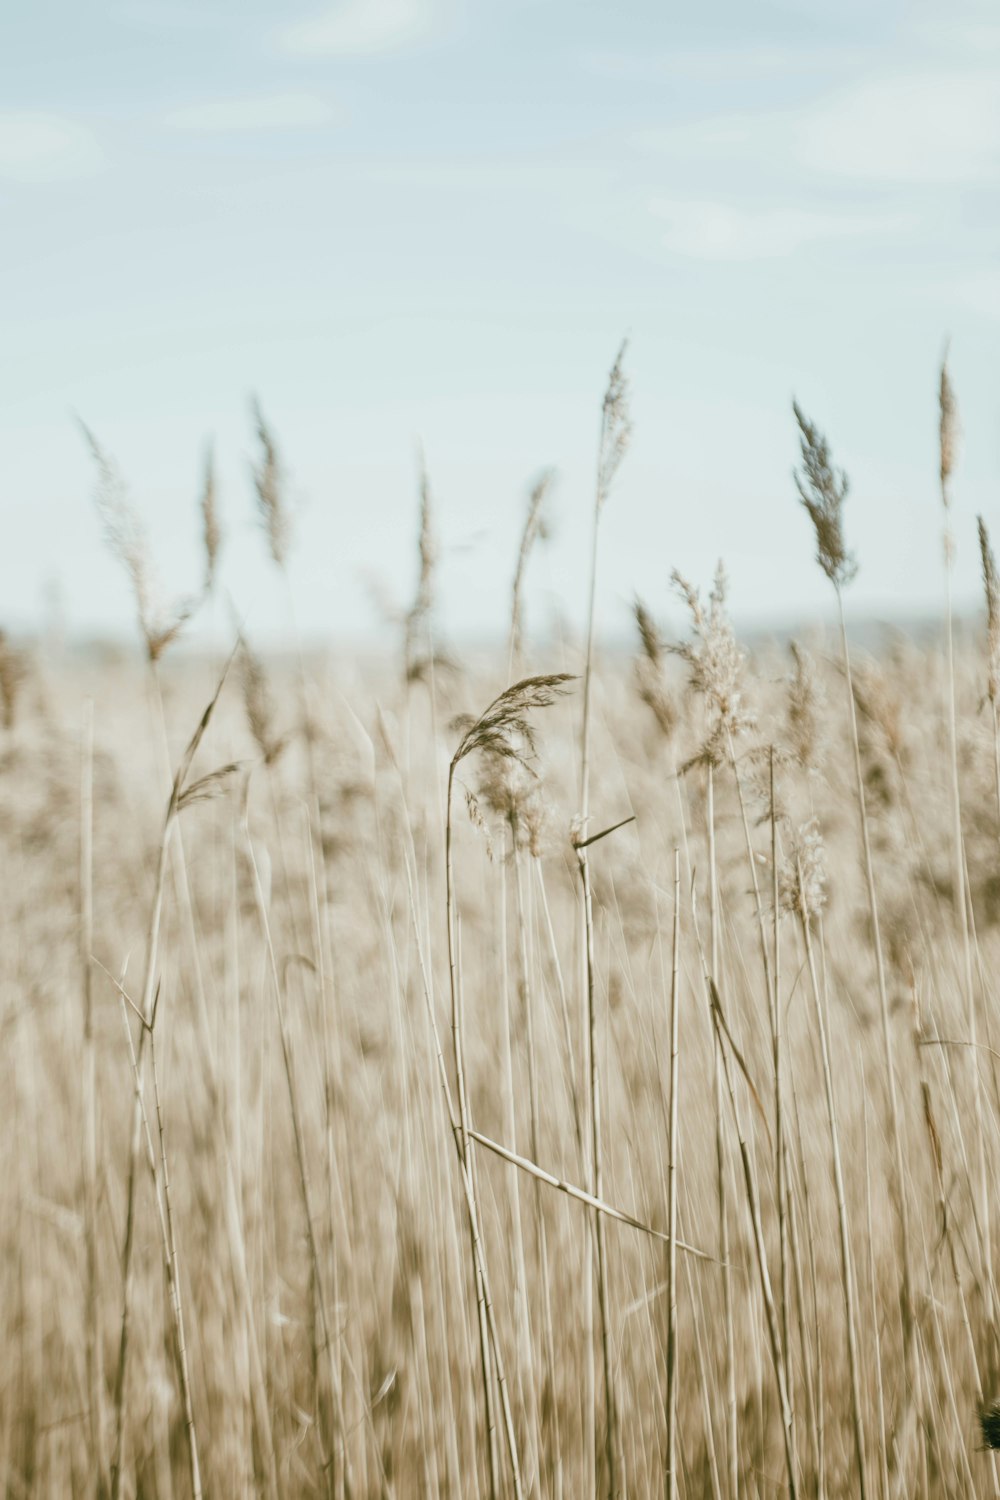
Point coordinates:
pixel 430 223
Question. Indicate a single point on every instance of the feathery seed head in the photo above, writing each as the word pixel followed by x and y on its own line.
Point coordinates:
pixel 211 529
pixel 269 483
pixel 417 651
pixel 823 490
pixel 126 537
pixel 616 427
pixel 535 529
pixel 649 671
pixel 948 430
pixel 715 662
pixel 991 585
pixel 802 878
pixel 805 703
pixel 504 729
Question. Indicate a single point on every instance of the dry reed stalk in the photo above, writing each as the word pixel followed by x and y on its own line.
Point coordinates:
pixel 550 1413
pixel 174 807
pixel 599 1205
pixel 502 732
pixel 948 445
pixel 721 1160
pixel 883 1446
pixel 173 1272
pixel 333 1074
pixel 920 1042
pixel 991 589
pixel 805 1353
pixel 780 1144
pixel 805 897
pixel 161 1191
pixel 703 1360
pixel 489 1339
pixel 753 1204
pixel 715 672
pixel 94 1348
pixel 526 1363
pixel 615 435
pixel 217 1095
pixel 326 1351
pixel 535 529
pixel 672 1147
pixel 818 1344
pixel 822 491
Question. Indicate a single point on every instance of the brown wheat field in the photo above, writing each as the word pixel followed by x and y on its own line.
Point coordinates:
pixel 569 1074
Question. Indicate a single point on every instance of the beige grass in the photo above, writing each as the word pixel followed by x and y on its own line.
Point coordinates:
pixel 363 1191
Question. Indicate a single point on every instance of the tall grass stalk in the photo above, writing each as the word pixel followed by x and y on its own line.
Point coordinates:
pixel 146 1010
pixel 822 490
pixel 615 433
pixel 325 1353
pixel 732 1448
pixel 807 909
pixel 753 1204
pixel 672 1147
pixel 94 1343
pixel 948 444
pixel 504 733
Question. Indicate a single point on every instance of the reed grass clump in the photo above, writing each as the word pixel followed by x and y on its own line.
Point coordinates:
pixel 652 1157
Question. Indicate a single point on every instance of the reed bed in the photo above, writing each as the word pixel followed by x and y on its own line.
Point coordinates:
pixel 571 1077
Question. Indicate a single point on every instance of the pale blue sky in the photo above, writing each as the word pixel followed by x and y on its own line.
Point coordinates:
pixel 435 219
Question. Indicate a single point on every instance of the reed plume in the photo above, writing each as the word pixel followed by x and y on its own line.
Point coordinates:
pixel 991 589
pixel 823 489
pixel 535 529
pixel 418 650
pixel 947 432
pixel 258 703
pixel 650 676
pixel 211 526
pixel 805 703
pixel 269 485
pixel 126 537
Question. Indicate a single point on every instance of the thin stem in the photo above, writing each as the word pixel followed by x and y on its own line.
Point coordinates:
pixel 672 1144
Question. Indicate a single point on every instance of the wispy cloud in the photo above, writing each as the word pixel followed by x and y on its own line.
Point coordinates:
pixel 38 147
pixel 257 112
pixel 926 127
pixel 707 230
pixel 917 126
pixel 360 28
pixel 708 64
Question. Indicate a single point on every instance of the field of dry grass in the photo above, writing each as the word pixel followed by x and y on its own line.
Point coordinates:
pixel 278 979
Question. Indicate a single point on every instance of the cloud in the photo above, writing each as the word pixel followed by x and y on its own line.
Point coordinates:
pixel 37 147
pixel 917 127
pixel 360 28
pixel 707 230
pixel 923 127
pixel 259 112
pixel 719 64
